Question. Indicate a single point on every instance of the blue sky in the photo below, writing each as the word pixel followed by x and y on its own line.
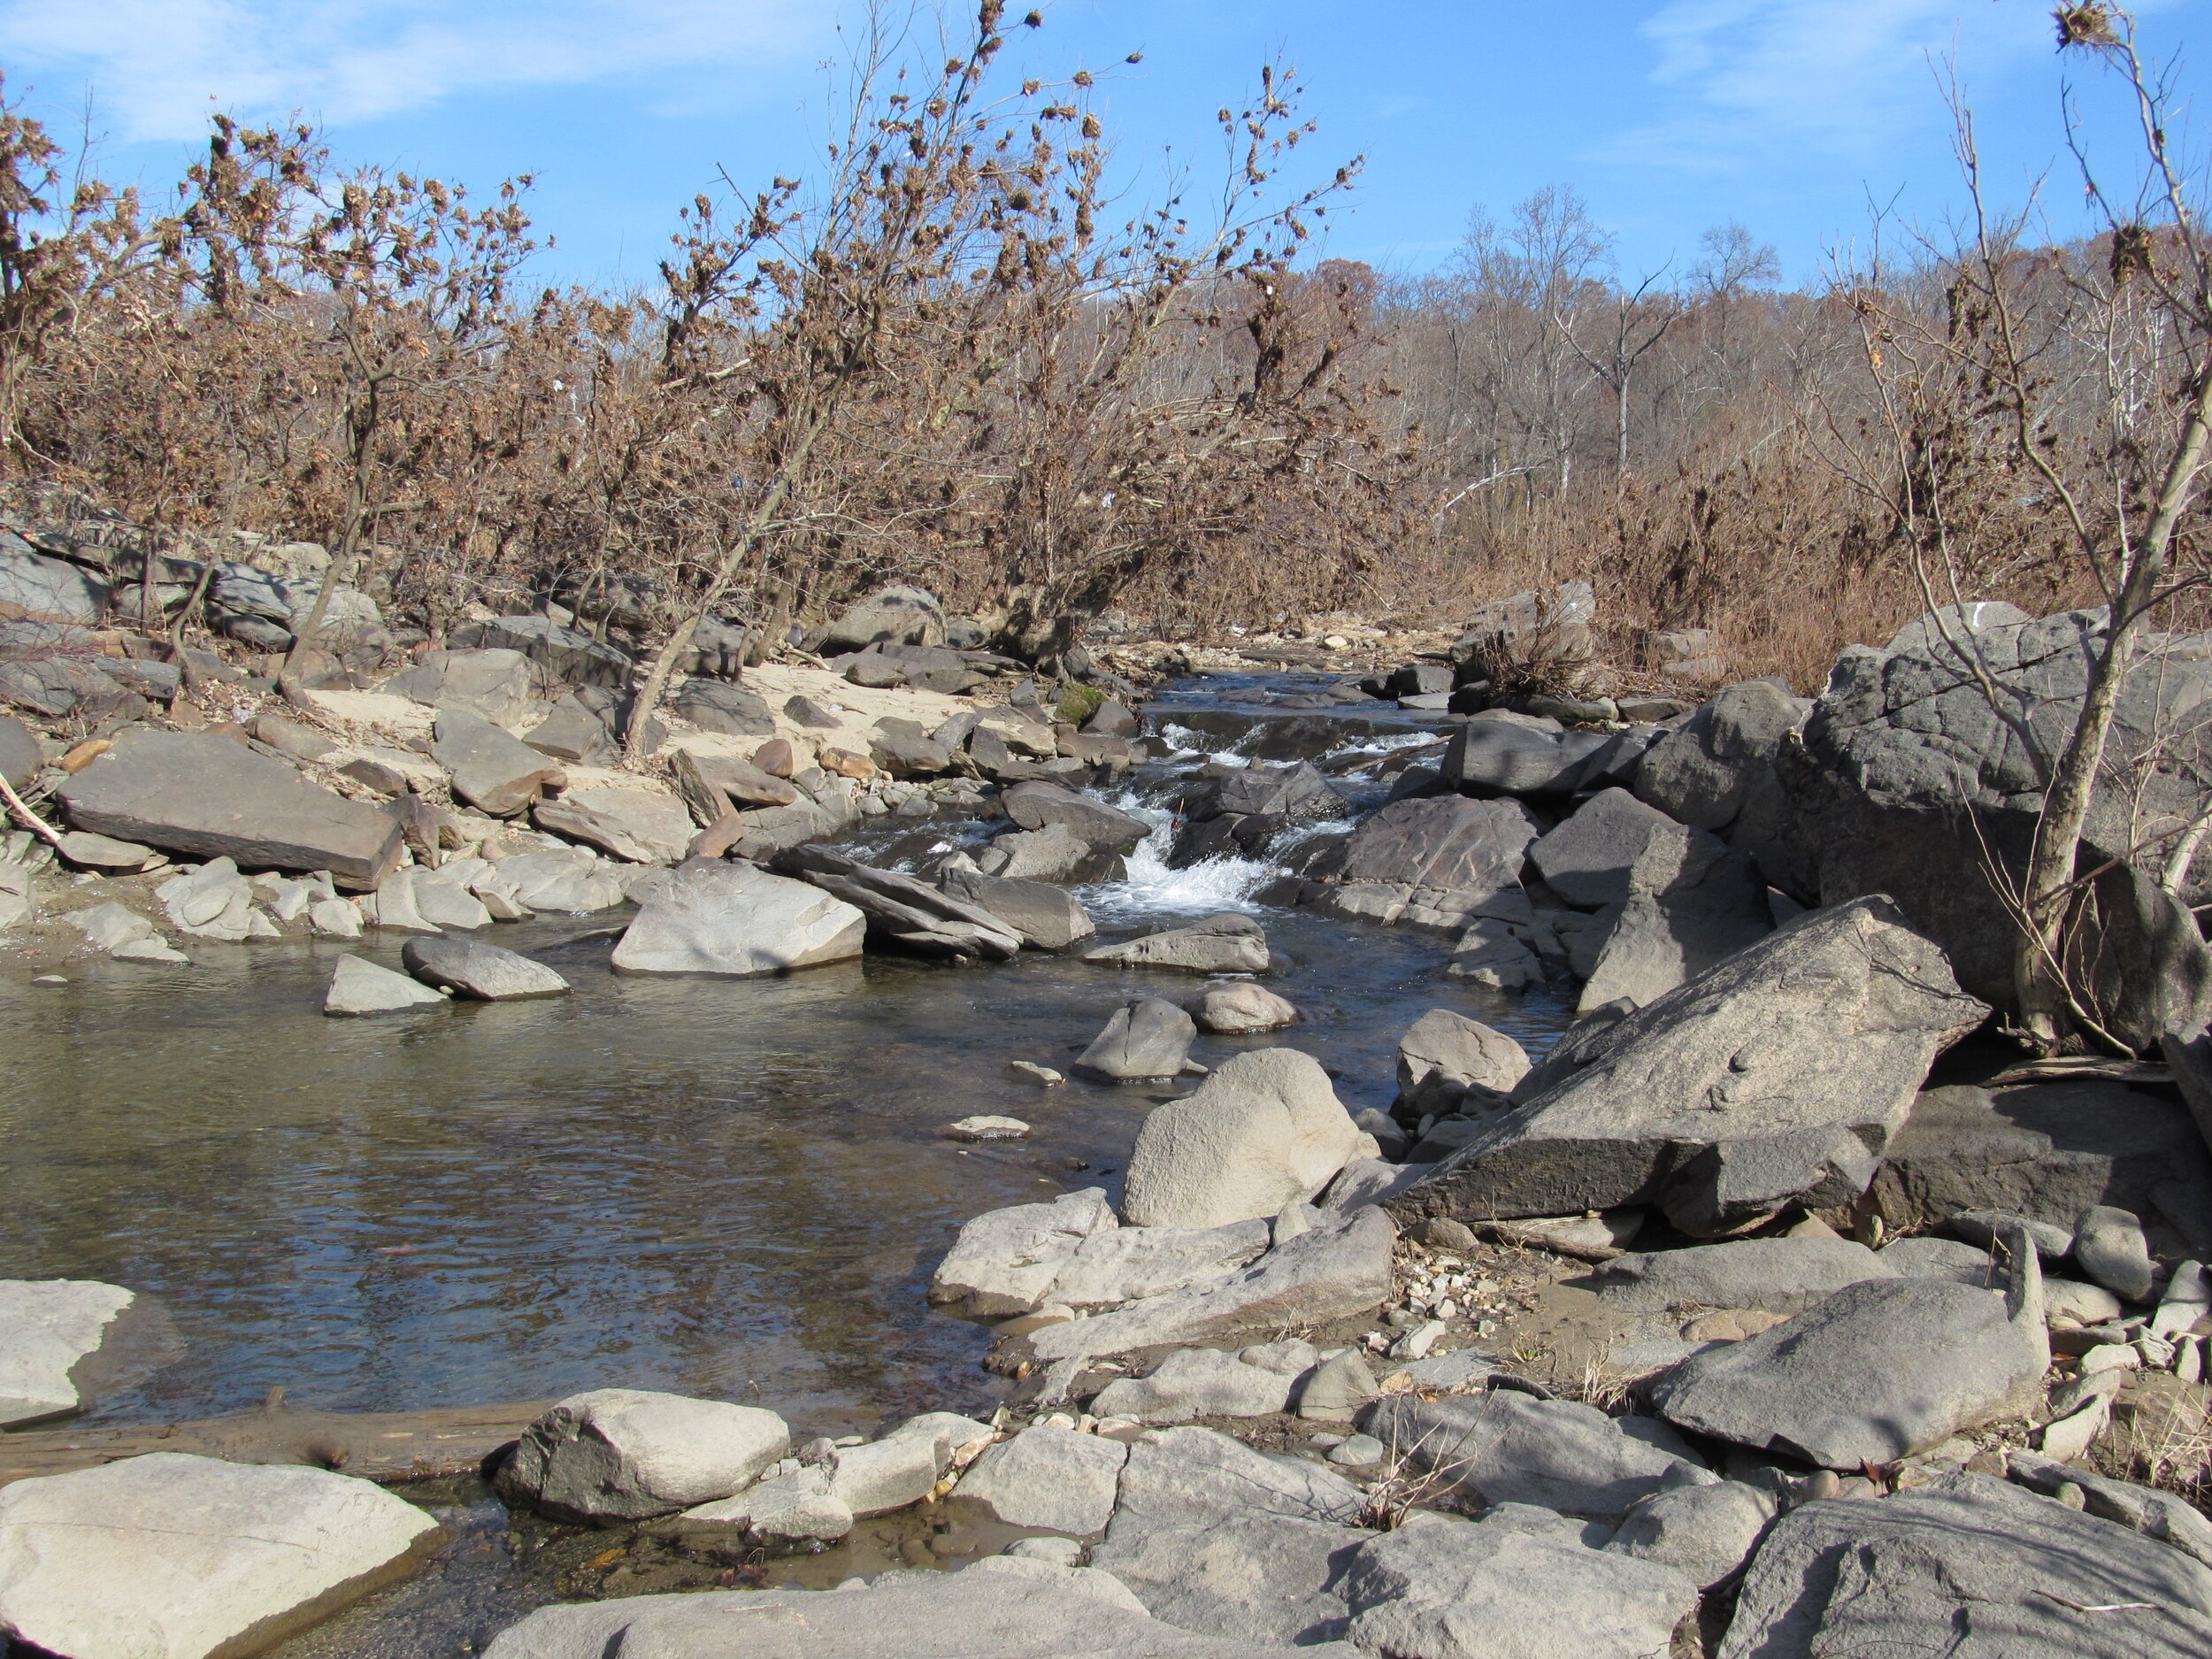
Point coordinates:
pixel 1668 116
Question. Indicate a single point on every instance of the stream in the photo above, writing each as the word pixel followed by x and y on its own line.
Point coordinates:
pixel 729 1188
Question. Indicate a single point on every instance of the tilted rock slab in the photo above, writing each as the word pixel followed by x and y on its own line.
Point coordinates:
pixel 169 1556
pixel 1777 1076
pixel 189 792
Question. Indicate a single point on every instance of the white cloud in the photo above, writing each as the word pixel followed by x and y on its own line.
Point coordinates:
pixel 157 67
pixel 1741 80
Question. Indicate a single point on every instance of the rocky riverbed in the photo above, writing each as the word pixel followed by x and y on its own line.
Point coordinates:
pixel 986 1178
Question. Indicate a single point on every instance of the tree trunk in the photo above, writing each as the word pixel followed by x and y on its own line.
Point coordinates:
pixel 2038 977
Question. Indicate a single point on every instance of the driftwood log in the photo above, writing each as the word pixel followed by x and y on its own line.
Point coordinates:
pixel 381 1446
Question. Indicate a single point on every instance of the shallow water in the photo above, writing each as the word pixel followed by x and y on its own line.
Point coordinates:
pixel 733 1189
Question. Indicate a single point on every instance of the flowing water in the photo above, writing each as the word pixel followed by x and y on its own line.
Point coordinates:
pixel 733 1189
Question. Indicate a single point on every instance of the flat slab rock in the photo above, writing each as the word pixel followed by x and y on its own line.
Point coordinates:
pixel 1777 1076
pixel 1503 1446
pixel 1877 1371
pixel 171 1557
pixel 1970 1567
pixel 50 1327
pixel 999 1609
pixel 1778 1275
pixel 187 792
pixel 360 988
pixel 1219 944
pixel 1340 1267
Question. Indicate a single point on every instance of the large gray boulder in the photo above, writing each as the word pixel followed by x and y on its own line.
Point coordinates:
pixel 1097 826
pixel 567 656
pixel 736 920
pixel 1692 902
pixel 1339 1267
pixel 493 770
pixel 1294 794
pixel 1910 782
pixel 642 826
pixel 1968 1565
pixel 628 1455
pixel 186 792
pixel 1220 944
pixel 501 686
pixel 2047 1151
pixel 714 706
pixel 568 878
pixel 48 590
pixel 896 616
pixel 998 1609
pixel 485 973
pixel 1497 753
pixel 1504 1447
pixel 1444 1057
pixel 1776 1077
pixel 1498 1587
pixel 1874 1371
pixel 1717 768
pixel 1264 1132
pixel 1586 860
pixel 1055 853
pixel 1045 916
pixel 169 1556
pixel 1144 1041
pixel 52 1330
pixel 1050 1477
pixel 1777 1275
pixel 1436 863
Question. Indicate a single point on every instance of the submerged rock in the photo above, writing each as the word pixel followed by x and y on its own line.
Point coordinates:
pixel 1242 1009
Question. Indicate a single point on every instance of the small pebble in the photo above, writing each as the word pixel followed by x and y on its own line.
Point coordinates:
pixel 50 978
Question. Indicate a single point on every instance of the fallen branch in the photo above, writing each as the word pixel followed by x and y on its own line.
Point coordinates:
pixel 37 824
